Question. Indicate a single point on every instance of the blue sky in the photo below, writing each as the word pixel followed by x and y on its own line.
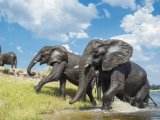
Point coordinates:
pixel 28 25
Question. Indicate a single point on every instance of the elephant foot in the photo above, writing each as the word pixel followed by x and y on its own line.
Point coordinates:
pixel 99 99
pixel 62 95
pixel 106 106
pixel 83 99
pixel 94 103
pixel 63 98
pixel 140 105
pixel 37 89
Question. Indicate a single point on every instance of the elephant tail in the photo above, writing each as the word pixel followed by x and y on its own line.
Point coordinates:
pixel 153 101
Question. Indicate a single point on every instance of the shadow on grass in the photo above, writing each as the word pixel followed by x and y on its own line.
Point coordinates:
pixel 54 91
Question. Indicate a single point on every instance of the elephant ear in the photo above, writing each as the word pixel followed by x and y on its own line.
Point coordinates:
pixel 58 54
pixel 118 52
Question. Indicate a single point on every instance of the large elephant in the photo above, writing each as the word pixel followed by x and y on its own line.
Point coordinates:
pixel 63 68
pixel 120 77
pixel 9 58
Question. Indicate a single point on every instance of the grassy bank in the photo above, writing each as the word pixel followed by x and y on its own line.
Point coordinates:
pixel 18 100
pixel 155 90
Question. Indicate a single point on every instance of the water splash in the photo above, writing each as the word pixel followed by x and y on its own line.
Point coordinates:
pixel 119 106
pixel 120 111
pixel 123 107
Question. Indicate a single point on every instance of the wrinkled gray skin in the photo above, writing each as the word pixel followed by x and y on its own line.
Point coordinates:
pixel 119 76
pixel 9 59
pixel 63 68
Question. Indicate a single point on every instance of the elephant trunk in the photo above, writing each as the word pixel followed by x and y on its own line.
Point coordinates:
pixel 32 63
pixel 81 88
pixel 84 68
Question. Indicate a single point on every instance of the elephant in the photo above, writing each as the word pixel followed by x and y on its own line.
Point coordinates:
pixel 63 68
pixel 8 58
pixel 119 76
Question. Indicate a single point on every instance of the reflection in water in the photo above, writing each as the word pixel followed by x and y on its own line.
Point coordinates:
pixel 120 111
pixel 90 115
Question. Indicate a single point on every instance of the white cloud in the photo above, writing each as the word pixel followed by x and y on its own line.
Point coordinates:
pixel 50 19
pixel 144 26
pixel 124 4
pixel 153 68
pixel 19 49
pixel 76 53
pixel 142 30
pixel 153 72
pixel 67 47
pixel 107 14
pixel 78 35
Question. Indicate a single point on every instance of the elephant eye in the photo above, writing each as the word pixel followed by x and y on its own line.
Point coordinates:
pixel 95 55
pixel 95 50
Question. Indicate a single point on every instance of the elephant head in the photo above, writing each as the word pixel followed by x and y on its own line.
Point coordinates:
pixel 48 55
pixel 104 55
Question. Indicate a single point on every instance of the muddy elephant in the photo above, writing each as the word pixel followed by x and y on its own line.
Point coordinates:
pixel 9 58
pixel 63 68
pixel 119 76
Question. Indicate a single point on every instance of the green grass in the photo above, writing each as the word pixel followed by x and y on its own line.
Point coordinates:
pixel 18 100
pixel 155 90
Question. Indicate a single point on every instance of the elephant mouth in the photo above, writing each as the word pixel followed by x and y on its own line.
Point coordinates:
pixel 42 62
pixel 97 62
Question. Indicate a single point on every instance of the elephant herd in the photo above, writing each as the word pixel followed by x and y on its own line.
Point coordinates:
pixel 104 62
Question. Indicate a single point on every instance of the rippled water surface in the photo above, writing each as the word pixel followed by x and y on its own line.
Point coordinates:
pixel 120 111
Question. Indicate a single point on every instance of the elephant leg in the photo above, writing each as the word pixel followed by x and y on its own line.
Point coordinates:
pixel 15 63
pixel 141 96
pixel 98 87
pixel 54 75
pixel 90 95
pixel 15 66
pixel 109 96
pixel 99 90
pixel 11 65
pixel 105 87
pixel 116 86
pixel 146 100
pixel 83 97
pixel 62 91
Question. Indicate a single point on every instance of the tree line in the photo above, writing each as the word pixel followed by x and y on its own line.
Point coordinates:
pixel 155 87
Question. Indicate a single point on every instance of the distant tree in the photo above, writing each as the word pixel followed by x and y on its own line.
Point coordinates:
pixel 155 87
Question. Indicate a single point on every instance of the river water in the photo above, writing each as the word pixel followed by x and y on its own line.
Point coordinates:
pixel 120 111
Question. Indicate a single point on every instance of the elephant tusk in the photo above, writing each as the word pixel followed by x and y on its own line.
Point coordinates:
pixel 77 66
pixel 86 65
pixel 35 61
